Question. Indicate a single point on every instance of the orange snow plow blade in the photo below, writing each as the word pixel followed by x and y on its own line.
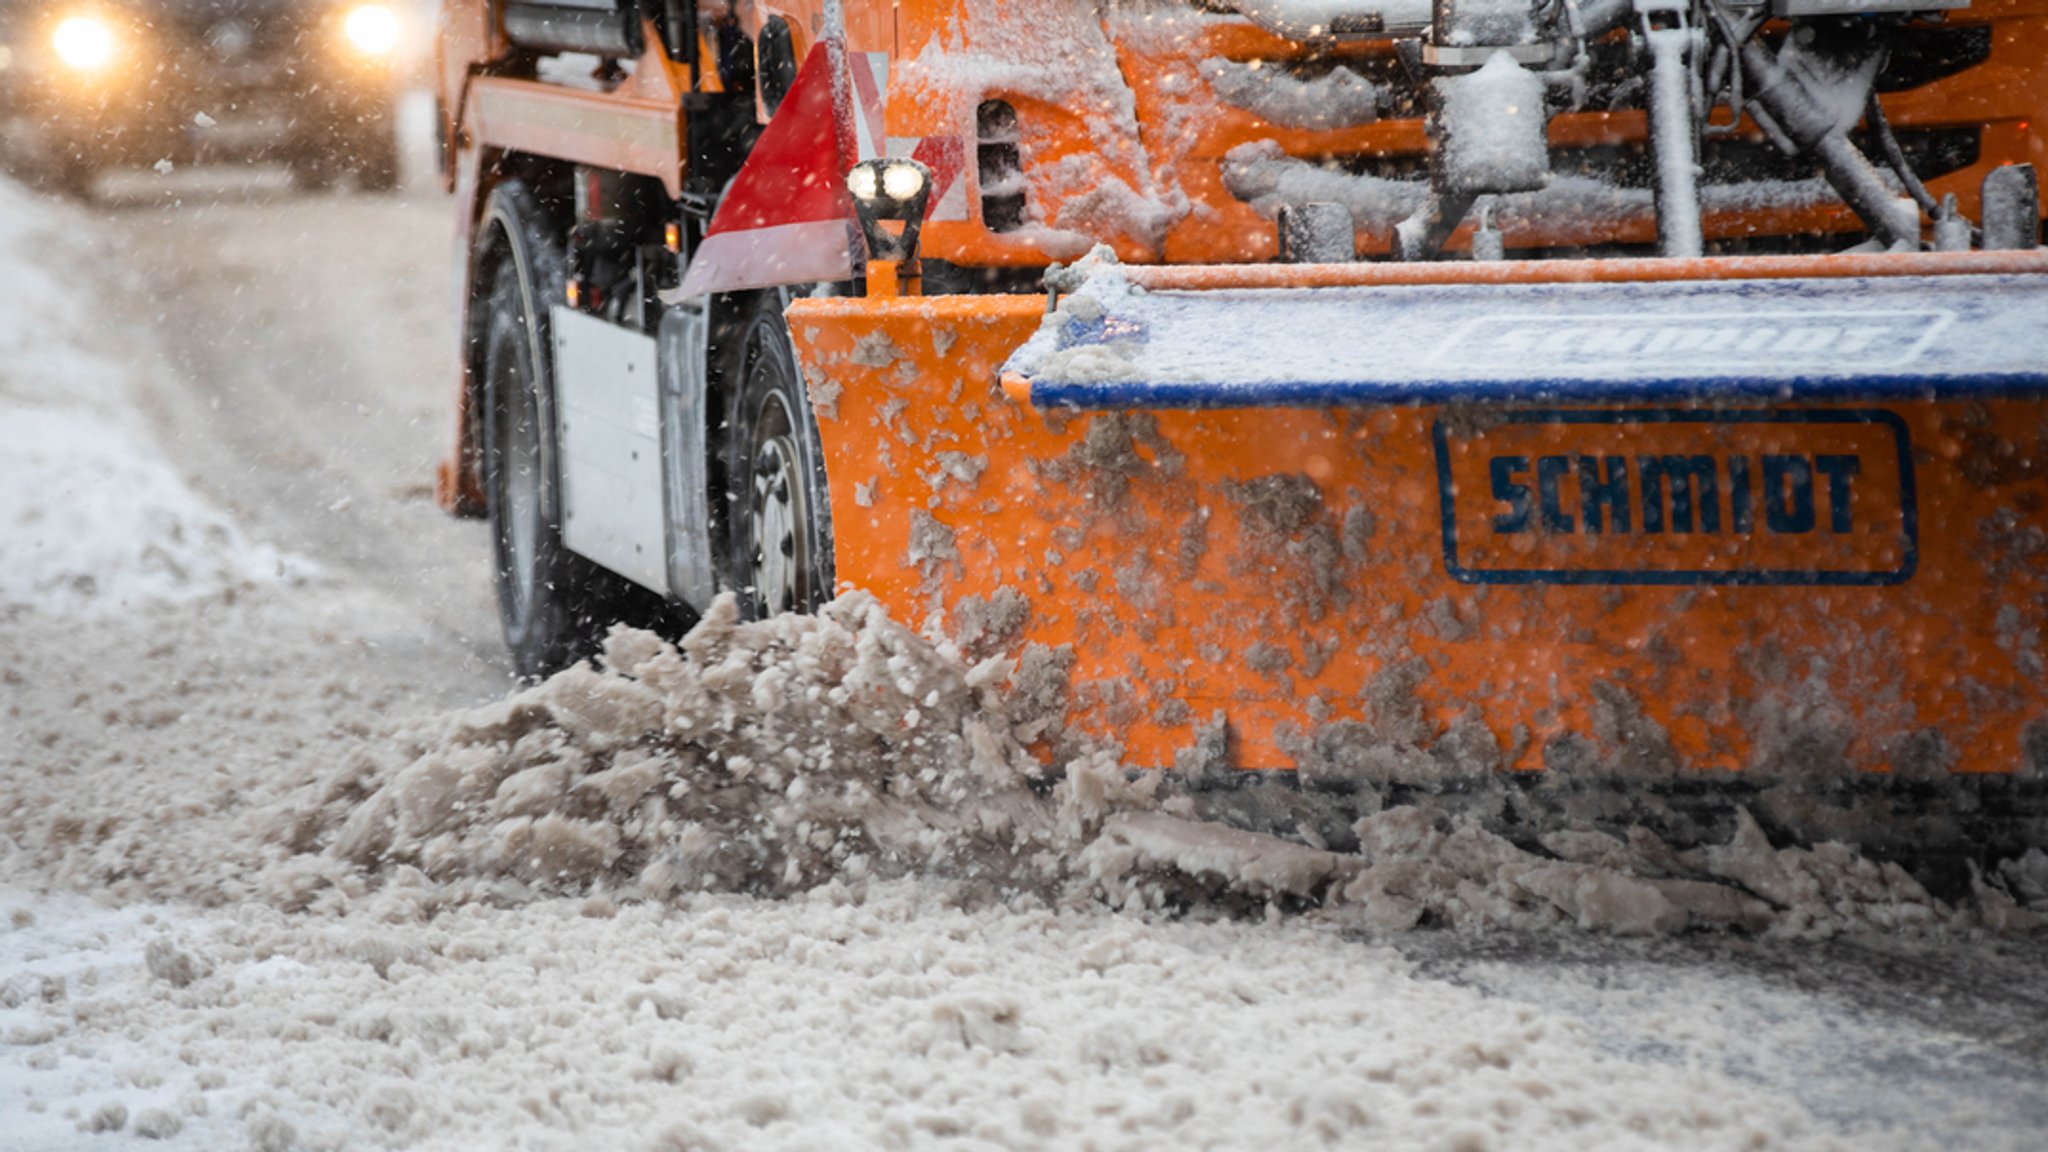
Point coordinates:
pixel 1827 555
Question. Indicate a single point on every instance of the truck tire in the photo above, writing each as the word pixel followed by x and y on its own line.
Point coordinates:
pixel 552 603
pixel 781 522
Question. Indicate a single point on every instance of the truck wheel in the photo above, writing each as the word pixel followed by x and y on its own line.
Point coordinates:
pixel 782 520
pixel 550 601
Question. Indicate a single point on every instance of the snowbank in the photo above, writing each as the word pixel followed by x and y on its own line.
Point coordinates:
pixel 96 519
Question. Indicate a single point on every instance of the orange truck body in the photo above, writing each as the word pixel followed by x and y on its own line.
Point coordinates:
pixel 1315 581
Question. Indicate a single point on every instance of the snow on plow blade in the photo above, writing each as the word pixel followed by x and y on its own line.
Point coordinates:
pixel 1794 339
pixel 1788 526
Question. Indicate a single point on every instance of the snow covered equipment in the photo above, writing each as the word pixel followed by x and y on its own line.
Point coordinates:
pixel 1627 404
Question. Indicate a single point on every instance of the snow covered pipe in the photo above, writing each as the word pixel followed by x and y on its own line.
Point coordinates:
pixel 1674 135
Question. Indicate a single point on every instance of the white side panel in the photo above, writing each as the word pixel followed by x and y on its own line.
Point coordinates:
pixel 609 415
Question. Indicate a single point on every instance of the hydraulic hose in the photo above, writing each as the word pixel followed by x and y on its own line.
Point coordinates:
pixel 1814 132
pixel 1896 157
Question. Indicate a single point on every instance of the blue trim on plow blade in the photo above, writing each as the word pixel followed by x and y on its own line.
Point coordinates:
pixel 1351 393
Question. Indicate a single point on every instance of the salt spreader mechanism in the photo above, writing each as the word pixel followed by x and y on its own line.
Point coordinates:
pixel 1643 403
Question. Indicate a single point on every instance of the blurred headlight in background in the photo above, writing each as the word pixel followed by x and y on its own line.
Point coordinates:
pixel 372 28
pixel 83 42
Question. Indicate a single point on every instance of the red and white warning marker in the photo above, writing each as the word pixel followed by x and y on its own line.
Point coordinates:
pixel 787 218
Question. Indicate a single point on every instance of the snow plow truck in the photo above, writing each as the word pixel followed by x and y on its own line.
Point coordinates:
pixel 1633 407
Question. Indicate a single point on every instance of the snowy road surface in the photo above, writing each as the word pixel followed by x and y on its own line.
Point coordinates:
pixel 228 608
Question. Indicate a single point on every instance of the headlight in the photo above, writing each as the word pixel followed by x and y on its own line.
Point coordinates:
pixel 372 28
pixel 902 181
pixel 891 190
pixel 84 43
pixel 890 186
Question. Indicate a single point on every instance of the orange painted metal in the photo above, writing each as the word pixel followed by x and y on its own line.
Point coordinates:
pixel 1286 569
pixel 636 127
pixel 1184 133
